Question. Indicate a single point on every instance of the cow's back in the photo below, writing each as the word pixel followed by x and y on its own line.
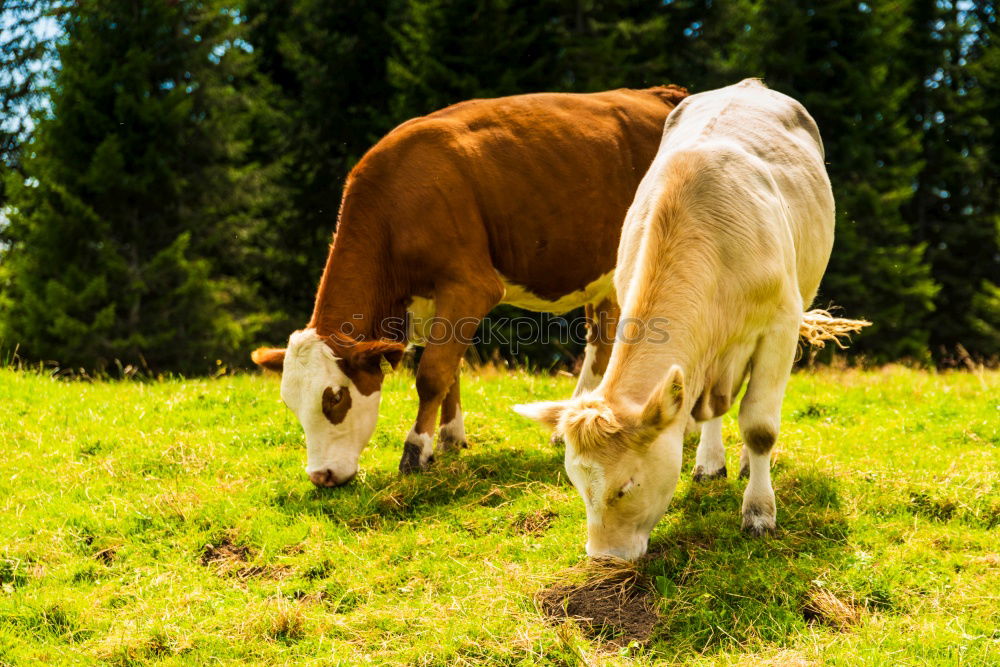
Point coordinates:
pixel 727 238
pixel 542 180
pixel 761 144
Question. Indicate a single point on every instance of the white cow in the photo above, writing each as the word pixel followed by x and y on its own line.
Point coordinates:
pixel 723 248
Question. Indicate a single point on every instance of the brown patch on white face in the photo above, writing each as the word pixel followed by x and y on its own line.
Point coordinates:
pixel 336 404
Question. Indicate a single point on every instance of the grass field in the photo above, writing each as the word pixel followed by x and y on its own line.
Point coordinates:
pixel 171 522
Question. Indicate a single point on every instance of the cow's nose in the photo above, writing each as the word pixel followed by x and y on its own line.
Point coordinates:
pixel 329 478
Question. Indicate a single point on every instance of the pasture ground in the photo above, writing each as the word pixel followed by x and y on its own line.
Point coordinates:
pixel 170 522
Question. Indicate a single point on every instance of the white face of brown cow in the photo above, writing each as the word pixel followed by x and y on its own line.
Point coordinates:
pixel 336 399
pixel 337 427
pixel 624 466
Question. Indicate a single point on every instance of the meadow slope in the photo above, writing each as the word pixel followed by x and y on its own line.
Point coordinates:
pixel 171 522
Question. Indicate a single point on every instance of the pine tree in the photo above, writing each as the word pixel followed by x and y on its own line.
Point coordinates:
pixel 27 43
pixel 337 76
pixel 447 51
pixel 129 194
pixel 955 209
pixel 837 58
pixel 322 101
pixel 984 70
pixel 637 43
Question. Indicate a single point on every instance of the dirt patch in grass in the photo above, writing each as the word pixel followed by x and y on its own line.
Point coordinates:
pixel 534 523
pixel 613 601
pixel 225 552
pixel 107 556
pixel 823 606
pixel 231 559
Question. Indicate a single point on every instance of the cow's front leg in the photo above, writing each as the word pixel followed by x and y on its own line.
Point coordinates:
pixel 459 312
pixel 710 461
pixel 432 387
pixel 760 418
pixel 451 436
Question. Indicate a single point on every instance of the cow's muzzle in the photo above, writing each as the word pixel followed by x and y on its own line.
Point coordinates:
pixel 328 478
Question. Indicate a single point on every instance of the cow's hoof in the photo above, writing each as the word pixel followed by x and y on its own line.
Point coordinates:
pixel 448 445
pixel 699 474
pixel 411 459
pixel 745 471
pixel 758 524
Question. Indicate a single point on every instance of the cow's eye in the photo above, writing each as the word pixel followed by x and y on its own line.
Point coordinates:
pixel 336 404
pixel 625 489
pixel 333 399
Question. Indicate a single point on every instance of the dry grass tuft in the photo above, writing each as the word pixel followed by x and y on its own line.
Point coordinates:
pixel 287 622
pixel 132 645
pixel 534 523
pixel 782 658
pixel 823 606
pixel 818 327
pixel 277 620
pixel 613 601
pixel 393 501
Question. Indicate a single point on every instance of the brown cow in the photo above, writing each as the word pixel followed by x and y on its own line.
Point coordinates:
pixel 515 200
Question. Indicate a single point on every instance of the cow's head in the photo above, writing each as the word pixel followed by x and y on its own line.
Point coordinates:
pixel 333 385
pixel 624 462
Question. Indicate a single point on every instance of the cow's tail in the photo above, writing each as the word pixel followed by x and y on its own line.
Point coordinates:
pixel 819 326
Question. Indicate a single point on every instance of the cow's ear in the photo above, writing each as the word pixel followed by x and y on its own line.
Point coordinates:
pixel 271 358
pixel 666 401
pixel 371 356
pixel 546 413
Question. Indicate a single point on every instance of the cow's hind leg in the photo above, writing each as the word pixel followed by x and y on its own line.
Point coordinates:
pixel 760 418
pixel 744 463
pixel 459 311
pixel 710 461
pixel 602 320
pixel 451 436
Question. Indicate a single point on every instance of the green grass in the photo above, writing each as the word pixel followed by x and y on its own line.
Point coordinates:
pixel 171 522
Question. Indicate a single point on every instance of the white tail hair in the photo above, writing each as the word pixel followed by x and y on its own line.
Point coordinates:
pixel 819 326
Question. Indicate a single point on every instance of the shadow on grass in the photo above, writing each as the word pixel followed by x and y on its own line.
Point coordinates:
pixel 485 475
pixel 720 588
pixel 488 477
pixel 716 588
